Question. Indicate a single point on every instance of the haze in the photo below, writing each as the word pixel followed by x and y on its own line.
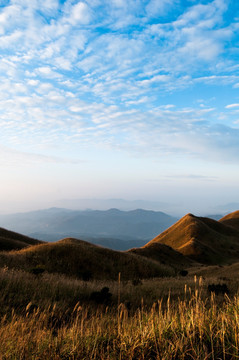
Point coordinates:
pixel 134 100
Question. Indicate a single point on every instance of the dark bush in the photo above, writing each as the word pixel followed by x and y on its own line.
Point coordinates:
pixel 87 275
pixel 128 305
pixel 38 270
pixel 218 289
pixel 101 297
pixel 136 282
pixel 183 272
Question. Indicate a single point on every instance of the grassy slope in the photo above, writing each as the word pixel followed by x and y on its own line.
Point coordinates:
pixel 81 259
pixel 202 239
pixel 164 254
pixel 10 240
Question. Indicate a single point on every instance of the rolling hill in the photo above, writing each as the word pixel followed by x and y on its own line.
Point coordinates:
pixel 83 260
pixel 202 239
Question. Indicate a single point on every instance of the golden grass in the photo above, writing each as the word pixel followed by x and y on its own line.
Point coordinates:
pixel 190 328
pixel 231 220
pixel 52 317
pixel 78 258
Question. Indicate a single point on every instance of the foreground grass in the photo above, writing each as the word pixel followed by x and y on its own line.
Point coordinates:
pixel 52 317
pixel 185 330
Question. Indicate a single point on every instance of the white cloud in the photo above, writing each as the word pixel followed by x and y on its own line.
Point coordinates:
pixel 44 88
pixel 158 7
pixel 201 47
pixel 62 63
pixel 33 82
pixel 8 41
pixel 80 14
pixel 47 72
pixel 155 79
pixel 232 106
pixel 169 106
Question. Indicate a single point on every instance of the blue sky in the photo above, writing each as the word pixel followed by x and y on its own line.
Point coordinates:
pixel 135 99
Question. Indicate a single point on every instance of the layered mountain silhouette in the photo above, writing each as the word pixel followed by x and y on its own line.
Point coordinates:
pixel 54 224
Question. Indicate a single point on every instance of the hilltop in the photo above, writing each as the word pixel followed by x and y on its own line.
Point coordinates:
pixel 83 260
pixel 203 239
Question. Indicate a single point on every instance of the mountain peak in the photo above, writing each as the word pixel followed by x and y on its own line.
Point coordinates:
pixel 203 239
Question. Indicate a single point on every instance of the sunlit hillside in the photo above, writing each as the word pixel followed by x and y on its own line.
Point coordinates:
pixel 202 239
pixel 85 261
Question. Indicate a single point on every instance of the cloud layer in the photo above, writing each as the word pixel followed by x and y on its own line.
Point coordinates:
pixel 143 78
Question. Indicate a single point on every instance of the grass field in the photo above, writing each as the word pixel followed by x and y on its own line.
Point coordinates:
pixel 55 317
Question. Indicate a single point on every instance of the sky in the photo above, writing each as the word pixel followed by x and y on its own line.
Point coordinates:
pixel 122 99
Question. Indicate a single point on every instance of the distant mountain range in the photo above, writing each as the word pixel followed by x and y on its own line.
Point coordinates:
pixel 177 209
pixel 110 228
pixel 105 204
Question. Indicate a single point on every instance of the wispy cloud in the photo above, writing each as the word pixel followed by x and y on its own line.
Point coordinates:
pixel 232 106
pixel 10 157
pixel 193 177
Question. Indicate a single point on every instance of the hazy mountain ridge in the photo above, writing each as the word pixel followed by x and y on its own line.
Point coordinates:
pixel 125 225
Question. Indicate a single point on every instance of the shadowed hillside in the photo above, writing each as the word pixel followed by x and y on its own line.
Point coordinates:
pixel 10 240
pixel 202 239
pixel 164 254
pixel 84 260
